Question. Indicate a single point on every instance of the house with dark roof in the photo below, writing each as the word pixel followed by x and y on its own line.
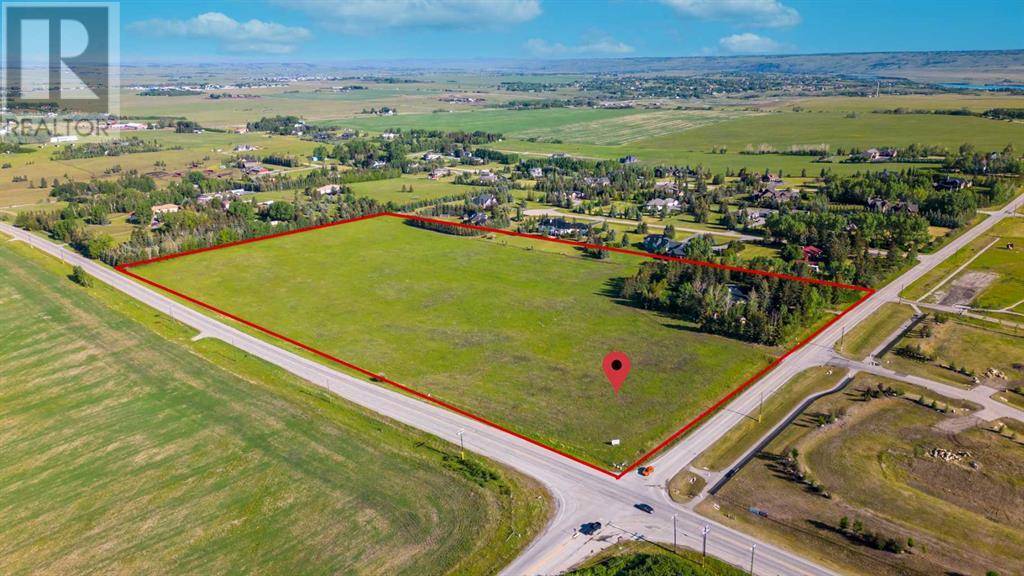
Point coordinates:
pixel 773 196
pixel 661 244
pixel 476 218
pixel 949 183
pixel 559 227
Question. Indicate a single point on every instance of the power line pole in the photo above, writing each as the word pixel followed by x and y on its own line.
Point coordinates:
pixel 674 544
pixel 704 550
pixel 753 548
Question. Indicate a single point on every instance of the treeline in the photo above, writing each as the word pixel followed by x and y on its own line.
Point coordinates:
pixel 394 151
pixel 489 155
pixel 993 113
pixel 748 307
pixel 970 160
pixel 133 145
pixel 444 228
pixel 286 160
pixel 948 208
pixel 282 125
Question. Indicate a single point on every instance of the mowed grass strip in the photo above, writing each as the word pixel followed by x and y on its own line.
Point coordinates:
pixel 127 453
pixel 509 330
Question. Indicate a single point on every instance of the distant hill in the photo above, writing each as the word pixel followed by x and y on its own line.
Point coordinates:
pixel 977 67
pixel 982 66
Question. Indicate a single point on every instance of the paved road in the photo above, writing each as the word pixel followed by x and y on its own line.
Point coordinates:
pixel 581 494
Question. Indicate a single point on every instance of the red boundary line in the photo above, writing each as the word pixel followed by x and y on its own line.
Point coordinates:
pixel 124 269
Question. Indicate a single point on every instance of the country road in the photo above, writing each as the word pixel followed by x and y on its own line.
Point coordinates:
pixel 581 494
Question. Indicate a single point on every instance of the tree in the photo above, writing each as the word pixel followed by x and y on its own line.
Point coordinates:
pixel 791 253
pixel 80 276
pixel 670 231
pixel 844 523
pixel 98 245
pixel 281 210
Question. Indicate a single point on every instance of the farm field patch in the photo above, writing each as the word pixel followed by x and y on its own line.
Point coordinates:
pixel 127 447
pixel 632 127
pixel 838 130
pixel 490 120
pixel 417 188
pixel 505 328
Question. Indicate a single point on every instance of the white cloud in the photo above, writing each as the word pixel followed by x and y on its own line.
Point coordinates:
pixel 366 16
pixel 748 43
pixel 597 45
pixel 234 36
pixel 755 13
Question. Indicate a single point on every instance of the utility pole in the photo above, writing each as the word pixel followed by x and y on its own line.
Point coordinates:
pixel 462 444
pixel 753 548
pixel 674 544
pixel 704 550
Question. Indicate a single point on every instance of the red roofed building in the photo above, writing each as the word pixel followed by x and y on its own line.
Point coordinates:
pixel 812 253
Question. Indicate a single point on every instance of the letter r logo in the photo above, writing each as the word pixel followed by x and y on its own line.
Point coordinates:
pixel 60 57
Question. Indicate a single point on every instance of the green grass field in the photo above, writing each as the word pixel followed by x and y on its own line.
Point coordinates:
pixel 1007 291
pixel 126 450
pixel 505 328
pixel 877 466
pixel 790 166
pixel 1007 288
pixel 742 436
pixel 489 120
pixel 209 150
pixel 423 188
pixel 629 128
pixel 638 558
pixel 868 335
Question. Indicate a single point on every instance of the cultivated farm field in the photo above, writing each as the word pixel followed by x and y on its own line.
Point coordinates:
pixel 510 330
pixel 127 448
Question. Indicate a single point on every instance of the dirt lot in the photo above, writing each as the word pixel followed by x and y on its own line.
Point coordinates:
pixel 949 501
pixel 966 288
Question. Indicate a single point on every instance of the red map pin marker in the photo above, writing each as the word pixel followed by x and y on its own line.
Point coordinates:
pixel 616 368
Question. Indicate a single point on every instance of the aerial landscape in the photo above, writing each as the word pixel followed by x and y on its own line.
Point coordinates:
pixel 518 287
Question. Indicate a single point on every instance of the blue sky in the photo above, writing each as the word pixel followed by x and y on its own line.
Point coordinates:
pixel 338 30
